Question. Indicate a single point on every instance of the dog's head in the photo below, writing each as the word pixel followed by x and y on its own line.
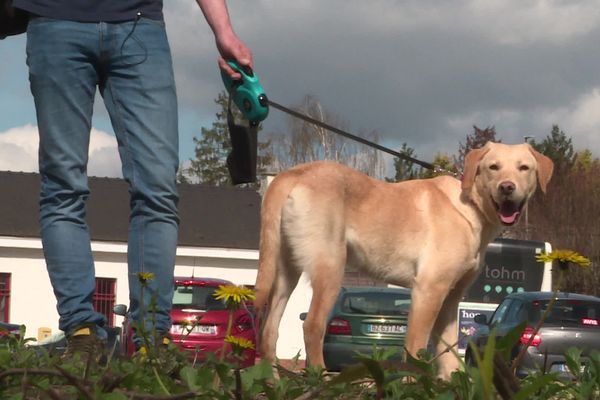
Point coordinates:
pixel 501 178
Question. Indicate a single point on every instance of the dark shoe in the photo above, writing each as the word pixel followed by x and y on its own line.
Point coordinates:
pixel 85 345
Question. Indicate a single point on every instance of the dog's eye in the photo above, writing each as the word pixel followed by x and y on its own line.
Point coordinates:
pixel 524 168
pixel 494 167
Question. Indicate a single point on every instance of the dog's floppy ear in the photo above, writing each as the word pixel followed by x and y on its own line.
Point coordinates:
pixel 545 167
pixel 472 160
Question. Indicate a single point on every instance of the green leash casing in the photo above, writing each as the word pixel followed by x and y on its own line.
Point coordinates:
pixel 247 93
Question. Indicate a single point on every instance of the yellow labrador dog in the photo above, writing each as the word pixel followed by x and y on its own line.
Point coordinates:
pixel 427 234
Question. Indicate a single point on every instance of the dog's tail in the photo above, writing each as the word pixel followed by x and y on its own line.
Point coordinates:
pixel 270 237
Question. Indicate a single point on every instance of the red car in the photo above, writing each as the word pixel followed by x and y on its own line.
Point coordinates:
pixel 200 321
pixel 7 329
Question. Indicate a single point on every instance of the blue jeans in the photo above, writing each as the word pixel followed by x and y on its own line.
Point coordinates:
pixel 130 63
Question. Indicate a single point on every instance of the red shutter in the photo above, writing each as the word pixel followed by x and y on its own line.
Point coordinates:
pixel 104 298
pixel 4 297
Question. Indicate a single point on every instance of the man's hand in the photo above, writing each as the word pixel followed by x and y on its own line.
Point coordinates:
pixel 232 48
pixel 228 44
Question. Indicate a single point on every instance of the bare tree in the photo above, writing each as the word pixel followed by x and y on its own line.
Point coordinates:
pixel 305 142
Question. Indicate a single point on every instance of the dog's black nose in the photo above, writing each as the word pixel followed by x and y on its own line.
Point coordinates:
pixel 507 187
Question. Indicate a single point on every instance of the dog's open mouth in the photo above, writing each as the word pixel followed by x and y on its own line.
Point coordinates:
pixel 509 211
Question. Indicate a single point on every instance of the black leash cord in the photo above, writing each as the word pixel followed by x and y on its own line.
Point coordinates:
pixel 350 136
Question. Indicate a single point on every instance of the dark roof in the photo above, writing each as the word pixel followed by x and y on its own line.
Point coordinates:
pixel 225 217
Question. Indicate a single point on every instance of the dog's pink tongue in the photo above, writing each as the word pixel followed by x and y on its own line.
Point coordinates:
pixel 509 212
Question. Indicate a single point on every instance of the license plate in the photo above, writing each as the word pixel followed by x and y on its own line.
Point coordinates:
pixel 564 369
pixel 188 329
pixel 386 328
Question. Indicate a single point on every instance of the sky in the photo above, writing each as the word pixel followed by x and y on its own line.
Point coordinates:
pixel 422 72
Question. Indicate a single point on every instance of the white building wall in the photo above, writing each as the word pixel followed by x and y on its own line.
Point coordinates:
pixel 291 339
pixel 32 301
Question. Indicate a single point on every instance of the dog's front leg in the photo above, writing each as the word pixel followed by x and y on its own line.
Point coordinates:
pixel 427 300
pixel 445 334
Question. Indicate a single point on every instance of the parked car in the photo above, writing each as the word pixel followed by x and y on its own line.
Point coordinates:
pixel 56 344
pixel 9 335
pixel 364 318
pixel 573 321
pixel 7 330
pixel 200 321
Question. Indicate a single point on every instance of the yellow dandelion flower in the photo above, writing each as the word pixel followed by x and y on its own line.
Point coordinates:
pixel 565 257
pixel 239 343
pixel 233 295
pixel 144 277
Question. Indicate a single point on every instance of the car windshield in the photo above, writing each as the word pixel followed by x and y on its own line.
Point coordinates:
pixel 377 303
pixel 196 297
pixel 567 312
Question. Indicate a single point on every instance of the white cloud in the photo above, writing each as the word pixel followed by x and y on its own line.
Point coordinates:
pixel 18 149
pixel 524 22
pixel 19 152
pixel 509 22
pixel 585 118
pixel 501 21
pixel 483 119
pixel 580 120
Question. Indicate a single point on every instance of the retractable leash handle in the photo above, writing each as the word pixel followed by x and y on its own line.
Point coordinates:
pixel 249 96
pixel 247 93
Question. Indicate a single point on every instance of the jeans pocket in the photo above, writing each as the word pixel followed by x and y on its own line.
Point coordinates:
pixel 158 22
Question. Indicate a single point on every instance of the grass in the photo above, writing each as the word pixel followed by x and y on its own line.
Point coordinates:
pixel 27 373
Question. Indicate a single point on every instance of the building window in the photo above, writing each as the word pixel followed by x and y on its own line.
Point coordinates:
pixel 4 297
pixel 104 298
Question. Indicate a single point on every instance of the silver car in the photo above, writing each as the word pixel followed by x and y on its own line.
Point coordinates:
pixel 573 321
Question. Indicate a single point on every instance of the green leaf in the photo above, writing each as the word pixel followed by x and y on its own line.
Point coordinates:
pixel 256 373
pixel 350 374
pixel 537 384
pixel 477 388
pixel 586 389
pixel 594 366
pixel 375 370
pixel 573 361
pixel 189 375
pixel 445 396
pixel 112 396
pixel 507 342
pixel 420 363
pixel 4 357
pixel 487 363
pixel 43 383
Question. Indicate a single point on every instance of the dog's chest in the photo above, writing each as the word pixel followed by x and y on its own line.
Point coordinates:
pixel 382 257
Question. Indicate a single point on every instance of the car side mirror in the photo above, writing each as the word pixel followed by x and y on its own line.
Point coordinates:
pixel 480 319
pixel 120 309
pixel 302 316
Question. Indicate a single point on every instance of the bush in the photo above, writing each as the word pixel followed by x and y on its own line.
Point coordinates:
pixel 28 373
